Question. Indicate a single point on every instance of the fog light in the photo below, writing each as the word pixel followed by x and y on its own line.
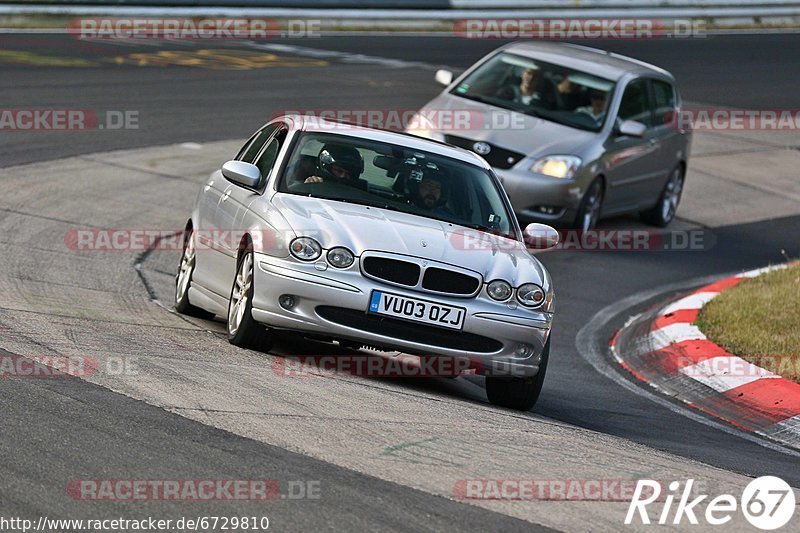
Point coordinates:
pixel 286 301
pixel 524 350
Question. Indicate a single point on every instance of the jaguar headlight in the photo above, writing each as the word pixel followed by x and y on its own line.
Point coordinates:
pixel 557 166
pixel 530 295
pixel 499 290
pixel 340 257
pixel 305 248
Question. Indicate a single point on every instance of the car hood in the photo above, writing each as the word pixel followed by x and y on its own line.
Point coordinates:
pixel 507 129
pixel 361 228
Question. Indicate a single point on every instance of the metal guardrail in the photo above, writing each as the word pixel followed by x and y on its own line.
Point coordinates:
pixel 630 4
pixel 554 5
pixel 422 14
pixel 333 4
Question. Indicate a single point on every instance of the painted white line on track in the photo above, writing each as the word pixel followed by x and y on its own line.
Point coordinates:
pixel 673 334
pixel 693 301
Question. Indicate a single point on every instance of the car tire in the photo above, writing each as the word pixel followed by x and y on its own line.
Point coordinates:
pixel 183 279
pixel 243 330
pixel 664 211
pixel 591 206
pixel 518 393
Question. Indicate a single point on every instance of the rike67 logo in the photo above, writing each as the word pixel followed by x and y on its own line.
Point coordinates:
pixel 767 503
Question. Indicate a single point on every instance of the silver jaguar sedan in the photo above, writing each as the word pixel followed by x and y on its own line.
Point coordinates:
pixel 574 133
pixel 371 238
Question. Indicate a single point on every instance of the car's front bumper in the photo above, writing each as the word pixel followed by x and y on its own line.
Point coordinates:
pixel 329 303
pixel 530 192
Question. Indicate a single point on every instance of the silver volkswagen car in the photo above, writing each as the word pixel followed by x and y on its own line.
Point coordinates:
pixel 368 237
pixel 574 133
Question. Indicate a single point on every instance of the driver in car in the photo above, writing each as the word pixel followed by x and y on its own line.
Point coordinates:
pixel 339 163
pixel 597 109
pixel 533 89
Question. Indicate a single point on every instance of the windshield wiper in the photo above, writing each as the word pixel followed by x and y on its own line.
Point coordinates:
pixel 487 229
pixel 379 205
pixel 533 113
pixel 476 97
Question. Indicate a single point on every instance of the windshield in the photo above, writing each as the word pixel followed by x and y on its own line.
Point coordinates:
pixel 530 86
pixel 366 172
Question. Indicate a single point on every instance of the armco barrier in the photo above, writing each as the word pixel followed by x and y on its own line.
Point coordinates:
pixel 338 4
pixel 766 7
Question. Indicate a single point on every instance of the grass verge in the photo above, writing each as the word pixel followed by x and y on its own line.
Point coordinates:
pixel 759 320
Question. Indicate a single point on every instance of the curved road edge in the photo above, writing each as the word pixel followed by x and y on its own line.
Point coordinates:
pixel 594 340
pixel 663 348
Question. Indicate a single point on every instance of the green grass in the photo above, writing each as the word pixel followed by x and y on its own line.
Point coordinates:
pixel 759 320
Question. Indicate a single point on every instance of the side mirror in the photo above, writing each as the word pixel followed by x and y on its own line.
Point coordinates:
pixel 241 173
pixel 444 77
pixel 540 236
pixel 631 128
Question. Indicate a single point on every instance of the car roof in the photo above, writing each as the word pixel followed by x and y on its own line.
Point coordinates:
pixel 590 60
pixel 311 123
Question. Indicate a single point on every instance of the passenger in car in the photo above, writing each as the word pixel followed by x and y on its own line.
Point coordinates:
pixel 571 95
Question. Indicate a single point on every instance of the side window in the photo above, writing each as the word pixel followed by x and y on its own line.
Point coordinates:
pixel 269 155
pixel 634 105
pixel 250 149
pixel 664 96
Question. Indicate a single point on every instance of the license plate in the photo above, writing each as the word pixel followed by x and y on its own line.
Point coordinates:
pixel 416 310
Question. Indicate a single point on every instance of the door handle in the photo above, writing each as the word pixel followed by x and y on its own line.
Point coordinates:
pixel 653 141
pixel 226 195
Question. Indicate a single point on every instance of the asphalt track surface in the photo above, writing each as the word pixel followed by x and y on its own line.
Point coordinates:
pixel 54 431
